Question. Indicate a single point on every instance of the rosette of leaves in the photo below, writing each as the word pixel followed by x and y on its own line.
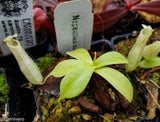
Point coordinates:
pixel 77 73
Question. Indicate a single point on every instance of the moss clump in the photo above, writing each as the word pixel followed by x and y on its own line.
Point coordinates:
pixel 4 90
pixel 44 62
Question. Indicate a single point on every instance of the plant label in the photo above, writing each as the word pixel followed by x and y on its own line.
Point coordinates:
pixel 17 17
pixel 74 25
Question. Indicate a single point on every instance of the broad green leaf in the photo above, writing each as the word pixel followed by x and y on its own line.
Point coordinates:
pixel 151 50
pixel 150 63
pixel 118 81
pixel 75 82
pixel 81 54
pixel 64 67
pixel 135 54
pixel 109 58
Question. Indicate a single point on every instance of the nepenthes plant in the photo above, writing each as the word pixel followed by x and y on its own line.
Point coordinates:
pixel 77 71
pixel 112 11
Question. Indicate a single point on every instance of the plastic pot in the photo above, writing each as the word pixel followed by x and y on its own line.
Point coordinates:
pixel 21 102
pixel 102 43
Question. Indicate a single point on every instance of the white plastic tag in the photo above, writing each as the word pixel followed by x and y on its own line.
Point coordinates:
pixel 17 17
pixel 74 25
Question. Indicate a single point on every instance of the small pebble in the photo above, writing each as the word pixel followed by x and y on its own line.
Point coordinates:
pixel 68 104
pixel 51 102
pixel 86 117
pixel 75 109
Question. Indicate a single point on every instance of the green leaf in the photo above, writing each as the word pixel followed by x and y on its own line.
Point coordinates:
pixel 75 82
pixel 118 81
pixel 150 63
pixel 81 54
pixel 109 58
pixel 64 67
pixel 151 50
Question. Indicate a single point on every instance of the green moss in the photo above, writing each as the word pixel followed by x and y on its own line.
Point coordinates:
pixel 4 90
pixel 2 80
pixel 44 62
pixel 124 48
pixel 156 77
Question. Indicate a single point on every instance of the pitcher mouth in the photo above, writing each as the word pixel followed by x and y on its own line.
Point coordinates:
pixel 11 42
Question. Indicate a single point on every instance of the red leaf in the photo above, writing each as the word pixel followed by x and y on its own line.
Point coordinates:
pixel 112 15
pixel 108 18
pixel 130 3
pixel 152 7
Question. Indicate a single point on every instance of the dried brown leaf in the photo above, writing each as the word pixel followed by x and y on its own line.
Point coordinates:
pixel 88 105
